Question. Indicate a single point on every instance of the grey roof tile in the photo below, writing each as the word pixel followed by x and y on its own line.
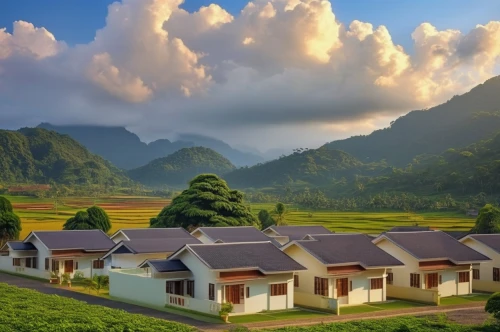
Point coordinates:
pixel 409 229
pixel 434 245
pixel 155 233
pixel 335 249
pixel 143 246
pixel 164 265
pixel 261 255
pixel 299 232
pixel 237 234
pixel 19 245
pixel 490 240
pixel 87 240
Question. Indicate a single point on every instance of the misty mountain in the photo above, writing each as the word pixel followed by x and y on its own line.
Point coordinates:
pixel 125 149
pixel 457 123
pixel 181 166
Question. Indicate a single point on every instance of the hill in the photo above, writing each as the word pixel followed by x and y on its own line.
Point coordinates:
pixel 457 123
pixel 41 156
pixel 316 166
pixel 125 149
pixel 181 166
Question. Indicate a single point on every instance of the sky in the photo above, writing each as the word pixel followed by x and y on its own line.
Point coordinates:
pixel 267 74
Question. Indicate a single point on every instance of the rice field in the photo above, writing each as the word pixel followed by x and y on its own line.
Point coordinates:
pixel 135 212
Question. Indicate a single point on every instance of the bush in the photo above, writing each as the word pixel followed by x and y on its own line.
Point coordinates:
pixel 493 305
pixel 78 276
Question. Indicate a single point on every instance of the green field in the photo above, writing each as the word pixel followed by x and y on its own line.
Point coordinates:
pixel 134 212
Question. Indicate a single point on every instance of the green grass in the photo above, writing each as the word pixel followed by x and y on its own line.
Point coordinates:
pixel 464 299
pixel 273 316
pixel 390 305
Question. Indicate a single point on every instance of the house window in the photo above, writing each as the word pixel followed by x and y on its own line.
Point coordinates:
pixel 321 286
pixel 296 280
pixel 98 264
pixel 175 287
pixel 496 274
pixel 16 261
pixel 278 289
pixel 34 262
pixel 350 285
pixel 47 264
pixel 211 292
pixel 28 262
pixel 475 274
pixel 390 278
pixel 234 294
pixel 440 279
pixel 55 266
pixel 415 280
pixel 463 276
pixel 248 292
pixel 377 283
pixel 190 288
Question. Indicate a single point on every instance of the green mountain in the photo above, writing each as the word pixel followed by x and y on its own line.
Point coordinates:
pixel 457 123
pixel 40 156
pixel 181 166
pixel 316 166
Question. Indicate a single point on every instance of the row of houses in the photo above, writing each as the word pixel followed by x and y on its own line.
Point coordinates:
pixel 278 268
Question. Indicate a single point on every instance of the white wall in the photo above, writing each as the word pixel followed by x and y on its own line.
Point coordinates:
pixel 202 276
pixel 119 237
pixel 136 289
pixel 6 265
pixel 486 268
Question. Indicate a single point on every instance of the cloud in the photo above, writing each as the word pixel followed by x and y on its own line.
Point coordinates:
pixel 276 67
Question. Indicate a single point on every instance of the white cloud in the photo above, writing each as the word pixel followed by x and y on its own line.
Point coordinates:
pixel 277 66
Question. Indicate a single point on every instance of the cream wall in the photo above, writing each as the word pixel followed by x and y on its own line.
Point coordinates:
pixel 202 237
pixel 401 275
pixel 486 268
pixel 119 237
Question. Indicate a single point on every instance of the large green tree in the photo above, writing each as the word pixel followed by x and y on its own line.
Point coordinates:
pixel 488 221
pixel 10 224
pixel 207 202
pixel 265 219
pixel 280 211
pixel 94 218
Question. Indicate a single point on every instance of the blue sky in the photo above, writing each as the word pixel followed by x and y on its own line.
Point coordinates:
pixel 75 21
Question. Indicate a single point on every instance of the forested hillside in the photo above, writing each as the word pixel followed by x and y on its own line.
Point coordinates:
pixel 459 122
pixel 40 156
pixel 180 167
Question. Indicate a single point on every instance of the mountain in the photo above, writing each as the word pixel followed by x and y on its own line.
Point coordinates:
pixel 457 123
pixel 315 166
pixel 181 166
pixel 38 155
pixel 125 149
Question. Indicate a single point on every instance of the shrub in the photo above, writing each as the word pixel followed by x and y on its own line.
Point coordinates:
pixel 493 305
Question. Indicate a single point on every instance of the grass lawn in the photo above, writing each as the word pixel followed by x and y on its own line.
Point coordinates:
pixel 464 299
pixel 80 289
pixel 391 305
pixel 278 315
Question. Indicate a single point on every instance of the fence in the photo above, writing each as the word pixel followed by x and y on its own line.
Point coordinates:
pixel 414 294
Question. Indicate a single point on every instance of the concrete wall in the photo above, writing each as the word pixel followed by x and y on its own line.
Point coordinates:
pixel 486 286
pixel 137 289
pixel 414 294
pixel 6 265
pixel 486 268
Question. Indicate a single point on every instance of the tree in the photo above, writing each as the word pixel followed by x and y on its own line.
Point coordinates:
pixel 493 305
pixel 265 219
pixel 93 218
pixel 280 211
pixel 5 205
pixel 207 202
pixel 10 224
pixel 488 221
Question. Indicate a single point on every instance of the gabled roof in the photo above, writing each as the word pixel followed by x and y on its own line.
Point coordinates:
pixel 234 234
pixel 164 265
pixel 409 229
pixel 433 245
pixel 145 246
pixel 457 234
pixel 298 232
pixel 262 256
pixel 489 240
pixel 152 233
pixel 20 245
pixel 346 249
pixel 86 240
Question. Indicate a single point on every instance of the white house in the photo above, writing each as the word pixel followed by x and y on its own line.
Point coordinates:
pixel 60 252
pixel 342 269
pixel 231 235
pixel 285 234
pixel 485 275
pixel 436 265
pixel 253 276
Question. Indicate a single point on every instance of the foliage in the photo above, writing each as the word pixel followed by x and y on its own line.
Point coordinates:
pixel 10 224
pixel 5 205
pixel 40 156
pixel 226 308
pixel 181 166
pixel 78 276
pixel 89 284
pixel 279 211
pixel 493 306
pixel 488 221
pixel 65 278
pixel 265 219
pixel 94 218
pixel 207 202
pixel 25 310
pixel 101 282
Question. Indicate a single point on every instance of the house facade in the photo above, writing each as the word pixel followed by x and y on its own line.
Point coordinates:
pixel 253 276
pixel 485 275
pixel 435 265
pixel 342 270
pixel 57 252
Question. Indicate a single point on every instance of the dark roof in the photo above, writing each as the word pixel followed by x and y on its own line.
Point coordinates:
pixel 236 234
pixel 261 255
pixel 154 233
pixel 19 245
pixel 86 240
pixel 434 245
pixel 163 265
pixel 158 245
pixel 409 229
pixel 490 240
pixel 457 234
pixel 335 249
pixel 299 232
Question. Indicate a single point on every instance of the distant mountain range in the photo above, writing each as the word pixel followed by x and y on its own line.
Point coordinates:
pixel 125 149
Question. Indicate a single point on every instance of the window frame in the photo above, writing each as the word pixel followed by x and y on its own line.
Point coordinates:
pixel 211 292
pixel 98 264
pixel 390 278
pixel 279 289
pixel 415 281
pixel 463 277
pixel 295 280
pixel 321 286
pixel 496 274
pixel 476 274
pixel 16 262
pixel 376 283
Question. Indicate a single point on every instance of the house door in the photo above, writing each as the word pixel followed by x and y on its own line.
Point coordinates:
pixel 431 280
pixel 342 287
pixel 234 293
pixel 68 266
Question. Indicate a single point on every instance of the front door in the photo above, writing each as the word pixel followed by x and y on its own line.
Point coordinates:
pixel 431 280
pixel 342 287
pixel 68 266
pixel 234 293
